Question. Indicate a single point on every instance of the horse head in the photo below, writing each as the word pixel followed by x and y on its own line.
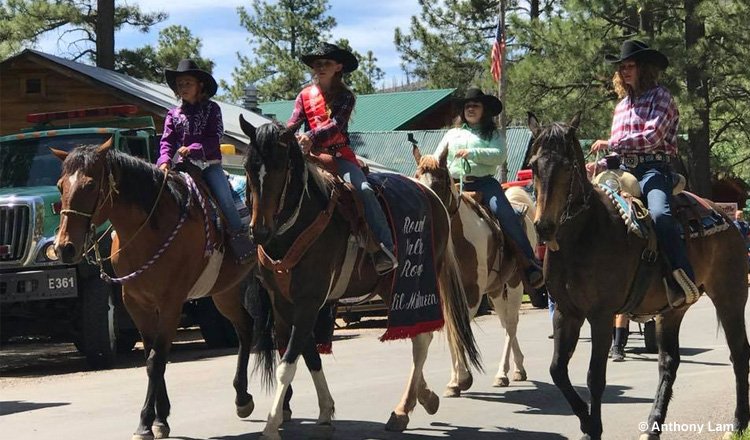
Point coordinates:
pixel 85 185
pixel 559 176
pixel 433 173
pixel 272 156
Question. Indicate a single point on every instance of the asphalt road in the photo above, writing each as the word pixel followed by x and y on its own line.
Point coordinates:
pixel 45 392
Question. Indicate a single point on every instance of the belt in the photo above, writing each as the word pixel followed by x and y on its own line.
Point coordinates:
pixel 635 159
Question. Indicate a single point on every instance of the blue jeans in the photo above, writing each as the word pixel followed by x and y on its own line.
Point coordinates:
pixel 494 197
pixel 373 212
pixel 219 185
pixel 655 179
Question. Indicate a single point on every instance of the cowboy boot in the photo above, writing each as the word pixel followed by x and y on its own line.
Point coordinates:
pixel 384 260
pixel 243 248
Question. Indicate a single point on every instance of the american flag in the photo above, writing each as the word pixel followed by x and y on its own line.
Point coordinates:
pixel 498 47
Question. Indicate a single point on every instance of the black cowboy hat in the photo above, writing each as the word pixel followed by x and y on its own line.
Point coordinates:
pixel 188 67
pixel 491 104
pixel 328 51
pixel 639 50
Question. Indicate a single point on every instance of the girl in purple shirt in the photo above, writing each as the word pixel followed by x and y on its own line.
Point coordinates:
pixel 193 132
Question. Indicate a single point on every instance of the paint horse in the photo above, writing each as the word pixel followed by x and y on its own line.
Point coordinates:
pixel 487 265
pixel 591 263
pixel 162 234
pixel 291 196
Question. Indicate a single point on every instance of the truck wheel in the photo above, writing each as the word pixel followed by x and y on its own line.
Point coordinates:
pixel 649 336
pixel 217 331
pixel 126 340
pixel 97 339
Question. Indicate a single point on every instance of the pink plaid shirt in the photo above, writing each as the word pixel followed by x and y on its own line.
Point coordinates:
pixel 648 125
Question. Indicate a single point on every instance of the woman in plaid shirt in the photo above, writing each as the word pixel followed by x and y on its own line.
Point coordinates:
pixel 644 133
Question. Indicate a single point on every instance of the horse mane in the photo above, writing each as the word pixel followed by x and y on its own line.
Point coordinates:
pixel 139 182
pixel 429 162
pixel 268 137
pixel 561 139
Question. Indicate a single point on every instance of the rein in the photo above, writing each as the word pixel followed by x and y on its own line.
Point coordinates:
pixel 567 215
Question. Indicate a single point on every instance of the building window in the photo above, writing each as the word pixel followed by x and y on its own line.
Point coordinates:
pixel 33 86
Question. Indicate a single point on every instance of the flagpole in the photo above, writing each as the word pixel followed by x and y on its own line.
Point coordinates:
pixel 501 87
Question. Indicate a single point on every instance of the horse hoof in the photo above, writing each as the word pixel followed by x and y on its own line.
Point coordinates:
pixel 286 415
pixel 397 422
pixel 465 384
pixel 519 376
pixel 142 437
pixel 160 431
pixel 452 392
pixel 649 436
pixel 246 409
pixel 431 403
pixel 501 382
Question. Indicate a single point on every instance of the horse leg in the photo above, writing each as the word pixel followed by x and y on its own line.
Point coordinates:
pixel 325 400
pixel 461 378
pixel 668 341
pixel 299 338
pixel 515 297
pixel 567 329
pixel 733 322
pixel 229 304
pixel 601 339
pixel 400 415
pixel 158 333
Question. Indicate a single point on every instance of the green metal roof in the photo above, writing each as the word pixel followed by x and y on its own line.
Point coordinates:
pixel 376 112
pixel 393 150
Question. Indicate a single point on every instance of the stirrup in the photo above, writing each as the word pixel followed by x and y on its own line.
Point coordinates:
pixel 243 248
pixel 384 260
pixel 686 284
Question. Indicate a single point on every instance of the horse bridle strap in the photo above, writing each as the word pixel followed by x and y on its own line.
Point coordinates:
pixel 282 268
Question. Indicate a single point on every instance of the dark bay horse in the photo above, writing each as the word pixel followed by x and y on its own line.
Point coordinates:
pixel 488 265
pixel 589 268
pixel 289 195
pixel 158 220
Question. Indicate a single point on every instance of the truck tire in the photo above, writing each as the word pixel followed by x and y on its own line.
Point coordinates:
pixel 649 336
pixel 98 337
pixel 217 331
pixel 126 340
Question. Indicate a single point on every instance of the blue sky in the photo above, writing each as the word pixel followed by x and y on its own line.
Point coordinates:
pixel 368 25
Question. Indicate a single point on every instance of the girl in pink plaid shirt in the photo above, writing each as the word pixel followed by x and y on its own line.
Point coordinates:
pixel 644 133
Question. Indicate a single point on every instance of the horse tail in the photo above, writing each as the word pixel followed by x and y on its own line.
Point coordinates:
pixel 261 309
pixel 456 310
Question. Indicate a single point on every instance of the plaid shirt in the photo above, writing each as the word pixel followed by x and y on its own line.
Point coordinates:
pixel 648 125
pixel 340 111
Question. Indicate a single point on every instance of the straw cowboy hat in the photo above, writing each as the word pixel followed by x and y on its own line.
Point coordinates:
pixel 328 51
pixel 491 104
pixel 639 50
pixel 188 67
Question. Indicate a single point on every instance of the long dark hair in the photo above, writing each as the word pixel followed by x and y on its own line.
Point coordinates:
pixel 487 126
pixel 648 77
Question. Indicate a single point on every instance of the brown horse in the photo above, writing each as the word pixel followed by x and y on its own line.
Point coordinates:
pixel 590 265
pixel 161 239
pixel 487 265
pixel 289 196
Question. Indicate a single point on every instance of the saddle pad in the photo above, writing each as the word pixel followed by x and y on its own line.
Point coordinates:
pixel 625 209
pixel 415 305
pixel 208 277
pixel 696 216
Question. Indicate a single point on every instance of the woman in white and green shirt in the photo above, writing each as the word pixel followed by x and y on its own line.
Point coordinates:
pixel 475 151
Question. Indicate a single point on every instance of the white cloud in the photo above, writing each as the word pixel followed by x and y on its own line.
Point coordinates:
pixel 186 5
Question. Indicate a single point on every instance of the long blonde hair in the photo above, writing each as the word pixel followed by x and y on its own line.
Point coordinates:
pixel 648 77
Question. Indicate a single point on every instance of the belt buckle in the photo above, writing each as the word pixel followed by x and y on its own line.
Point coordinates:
pixel 630 160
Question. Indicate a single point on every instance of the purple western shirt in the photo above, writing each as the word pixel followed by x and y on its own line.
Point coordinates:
pixel 196 126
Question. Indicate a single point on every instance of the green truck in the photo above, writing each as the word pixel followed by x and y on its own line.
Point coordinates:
pixel 40 296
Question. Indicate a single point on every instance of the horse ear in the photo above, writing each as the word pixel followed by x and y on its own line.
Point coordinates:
pixel 416 153
pixel 247 128
pixel 575 122
pixel 443 159
pixel 60 154
pixel 103 148
pixel 533 124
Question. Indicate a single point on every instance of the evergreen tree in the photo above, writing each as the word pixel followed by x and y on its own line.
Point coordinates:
pixel 148 62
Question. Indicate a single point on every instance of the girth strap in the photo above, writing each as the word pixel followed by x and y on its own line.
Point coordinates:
pixel 282 268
